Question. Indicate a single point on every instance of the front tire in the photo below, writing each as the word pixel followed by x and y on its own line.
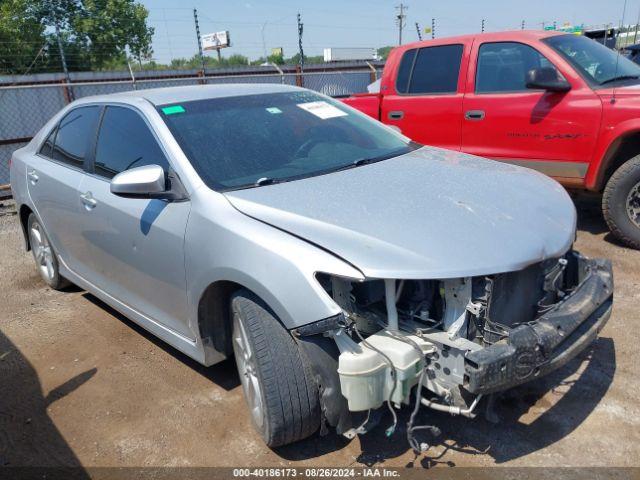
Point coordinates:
pixel 276 377
pixel 621 203
pixel 44 255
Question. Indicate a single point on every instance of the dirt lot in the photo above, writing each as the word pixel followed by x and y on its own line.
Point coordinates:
pixel 82 385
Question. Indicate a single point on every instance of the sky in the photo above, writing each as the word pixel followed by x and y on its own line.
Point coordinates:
pixel 357 23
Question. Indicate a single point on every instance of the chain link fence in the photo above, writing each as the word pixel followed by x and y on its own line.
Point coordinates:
pixel 25 108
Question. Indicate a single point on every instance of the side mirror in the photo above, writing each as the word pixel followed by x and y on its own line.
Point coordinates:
pixel 141 182
pixel 547 78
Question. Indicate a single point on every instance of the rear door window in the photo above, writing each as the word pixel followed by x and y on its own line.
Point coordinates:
pixel 47 146
pixel 404 71
pixel 436 70
pixel 125 141
pixel 74 135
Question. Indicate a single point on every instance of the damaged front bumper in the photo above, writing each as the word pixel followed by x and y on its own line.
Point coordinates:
pixel 539 347
pixel 475 336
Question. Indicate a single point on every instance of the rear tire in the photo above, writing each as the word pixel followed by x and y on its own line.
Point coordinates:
pixel 621 203
pixel 44 255
pixel 278 384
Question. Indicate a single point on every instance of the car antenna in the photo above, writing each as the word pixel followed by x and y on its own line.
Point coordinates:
pixel 615 73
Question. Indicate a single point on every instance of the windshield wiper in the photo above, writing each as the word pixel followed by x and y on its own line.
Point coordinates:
pixel 363 161
pixel 620 77
pixel 265 181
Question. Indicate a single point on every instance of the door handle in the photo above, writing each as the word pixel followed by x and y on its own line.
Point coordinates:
pixel 33 176
pixel 474 114
pixel 88 201
pixel 396 115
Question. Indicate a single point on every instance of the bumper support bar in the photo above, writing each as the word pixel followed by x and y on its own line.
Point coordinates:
pixel 539 347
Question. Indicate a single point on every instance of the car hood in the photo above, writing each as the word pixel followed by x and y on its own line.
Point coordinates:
pixel 431 213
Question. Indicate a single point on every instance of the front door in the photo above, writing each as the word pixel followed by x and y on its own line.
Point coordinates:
pixel 134 248
pixel 427 102
pixel 554 132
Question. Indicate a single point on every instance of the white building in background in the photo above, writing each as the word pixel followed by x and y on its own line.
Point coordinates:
pixel 338 54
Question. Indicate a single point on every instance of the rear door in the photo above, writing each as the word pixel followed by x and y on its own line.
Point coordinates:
pixel 552 132
pixel 53 178
pixel 134 248
pixel 426 100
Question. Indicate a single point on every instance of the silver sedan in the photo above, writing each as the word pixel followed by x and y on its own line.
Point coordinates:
pixel 347 268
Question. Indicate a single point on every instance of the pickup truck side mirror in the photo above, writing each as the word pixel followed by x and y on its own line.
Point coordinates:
pixel 547 78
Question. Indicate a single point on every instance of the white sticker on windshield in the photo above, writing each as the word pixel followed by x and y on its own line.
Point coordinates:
pixel 322 110
pixel 274 110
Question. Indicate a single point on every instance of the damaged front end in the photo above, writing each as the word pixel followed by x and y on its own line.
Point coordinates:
pixel 458 338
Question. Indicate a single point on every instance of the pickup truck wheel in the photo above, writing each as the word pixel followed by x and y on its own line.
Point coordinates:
pixel 44 255
pixel 621 203
pixel 276 378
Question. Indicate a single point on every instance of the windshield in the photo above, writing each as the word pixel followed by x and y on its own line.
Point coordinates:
pixel 595 62
pixel 254 140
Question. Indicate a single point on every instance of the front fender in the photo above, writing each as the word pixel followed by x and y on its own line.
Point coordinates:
pixel 222 244
pixel 605 150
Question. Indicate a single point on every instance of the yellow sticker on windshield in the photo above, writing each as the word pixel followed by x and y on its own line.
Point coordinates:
pixel 322 110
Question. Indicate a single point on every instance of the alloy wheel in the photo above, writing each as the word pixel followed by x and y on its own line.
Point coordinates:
pixel 42 252
pixel 633 205
pixel 246 362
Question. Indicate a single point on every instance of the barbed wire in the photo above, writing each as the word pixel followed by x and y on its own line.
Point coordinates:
pixel 169 44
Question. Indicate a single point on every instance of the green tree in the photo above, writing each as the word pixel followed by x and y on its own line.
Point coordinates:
pixel 383 52
pixel 21 35
pixel 277 59
pixel 308 60
pixel 105 28
pixel 95 33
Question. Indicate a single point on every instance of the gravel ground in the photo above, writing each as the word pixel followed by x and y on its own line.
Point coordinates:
pixel 83 386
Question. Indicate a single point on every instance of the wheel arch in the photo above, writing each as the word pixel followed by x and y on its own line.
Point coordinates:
pixel 622 148
pixel 23 213
pixel 214 317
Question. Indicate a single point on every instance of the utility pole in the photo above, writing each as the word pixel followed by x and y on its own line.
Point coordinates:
pixel 264 44
pixel 418 30
pixel 635 34
pixel 62 57
pixel 482 28
pixel 433 28
pixel 195 18
pixel 400 20
pixel 300 30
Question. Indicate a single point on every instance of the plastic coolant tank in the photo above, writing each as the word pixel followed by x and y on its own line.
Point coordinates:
pixel 365 377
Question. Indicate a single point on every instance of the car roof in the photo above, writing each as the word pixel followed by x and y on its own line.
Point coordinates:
pixel 187 93
pixel 508 36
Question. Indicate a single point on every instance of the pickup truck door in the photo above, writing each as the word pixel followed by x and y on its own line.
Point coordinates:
pixel 553 132
pixel 426 100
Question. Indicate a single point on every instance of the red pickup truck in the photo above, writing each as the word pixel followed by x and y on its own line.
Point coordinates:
pixel 559 103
